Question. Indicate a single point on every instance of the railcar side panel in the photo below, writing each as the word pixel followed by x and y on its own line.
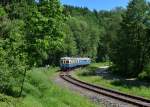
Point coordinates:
pixel 68 63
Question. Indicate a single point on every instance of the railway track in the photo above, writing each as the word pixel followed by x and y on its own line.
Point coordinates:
pixel 137 101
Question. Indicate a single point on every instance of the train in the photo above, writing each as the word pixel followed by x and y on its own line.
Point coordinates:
pixel 67 63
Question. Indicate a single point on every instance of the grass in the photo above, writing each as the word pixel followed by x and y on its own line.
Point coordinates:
pixel 40 91
pixel 127 86
pixel 97 65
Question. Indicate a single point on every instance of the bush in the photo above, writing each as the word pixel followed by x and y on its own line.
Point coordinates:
pixel 87 72
pixel 145 75
pixel 7 101
pixel 32 90
pixel 38 79
pixel 36 82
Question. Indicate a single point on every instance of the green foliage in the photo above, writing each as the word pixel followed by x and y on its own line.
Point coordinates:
pixel 2 11
pixel 6 101
pixel 145 75
pixel 35 25
pixel 110 22
pixel 93 31
pixel 130 51
pixel 12 58
pixel 70 46
pixel 18 9
pixel 44 33
pixel 83 28
pixel 38 80
pixel 119 35
pixel 28 37
pixel 49 96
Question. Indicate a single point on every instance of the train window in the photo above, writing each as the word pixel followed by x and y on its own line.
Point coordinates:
pixel 67 62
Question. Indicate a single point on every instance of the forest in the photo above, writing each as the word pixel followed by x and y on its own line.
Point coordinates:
pixel 37 34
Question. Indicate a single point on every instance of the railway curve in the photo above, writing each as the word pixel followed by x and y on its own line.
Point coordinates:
pixel 135 100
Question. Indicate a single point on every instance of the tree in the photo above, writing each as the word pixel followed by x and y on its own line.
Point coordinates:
pixel 109 23
pixel 70 48
pixel 13 56
pixel 131 50
pixel 28 37
pixel 85 30
pixel 44 33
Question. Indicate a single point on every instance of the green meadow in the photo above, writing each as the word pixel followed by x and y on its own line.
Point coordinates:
pixel 40 91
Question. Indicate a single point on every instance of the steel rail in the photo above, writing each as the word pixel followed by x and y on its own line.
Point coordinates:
pixel 135 100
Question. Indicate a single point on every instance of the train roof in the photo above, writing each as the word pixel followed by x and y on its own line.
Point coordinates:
pixel 79 58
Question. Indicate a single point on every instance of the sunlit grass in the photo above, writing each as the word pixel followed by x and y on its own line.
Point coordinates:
pixel 120 85
pixel 40 91
pixel 100 64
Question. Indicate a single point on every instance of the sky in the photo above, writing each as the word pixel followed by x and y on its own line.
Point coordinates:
pixel 97 4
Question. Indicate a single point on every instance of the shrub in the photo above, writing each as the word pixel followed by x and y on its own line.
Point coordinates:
pixel 87 72
pixel 7 101
pixel 38 79
pixel 32 90
pixel 145 75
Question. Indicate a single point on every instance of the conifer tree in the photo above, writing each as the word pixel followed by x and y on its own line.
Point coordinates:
pixel 129 53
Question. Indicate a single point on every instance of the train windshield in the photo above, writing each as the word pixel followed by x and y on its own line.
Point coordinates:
pixel 67 62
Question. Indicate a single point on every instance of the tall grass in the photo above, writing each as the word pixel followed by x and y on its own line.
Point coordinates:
pixel 40 91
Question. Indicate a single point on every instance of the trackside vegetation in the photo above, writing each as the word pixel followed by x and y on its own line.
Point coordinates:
pixel 130 52
pixel 130 86
pixel 41 91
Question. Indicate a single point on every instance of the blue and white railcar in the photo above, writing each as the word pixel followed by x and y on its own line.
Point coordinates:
pixel 69 62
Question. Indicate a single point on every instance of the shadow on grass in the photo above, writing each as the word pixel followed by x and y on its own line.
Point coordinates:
pixel 130 83
pixel 124 82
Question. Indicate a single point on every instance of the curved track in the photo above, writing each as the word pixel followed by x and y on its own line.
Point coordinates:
pixel 138 101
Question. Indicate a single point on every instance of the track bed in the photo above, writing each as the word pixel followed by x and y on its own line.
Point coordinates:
pixel 137 101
